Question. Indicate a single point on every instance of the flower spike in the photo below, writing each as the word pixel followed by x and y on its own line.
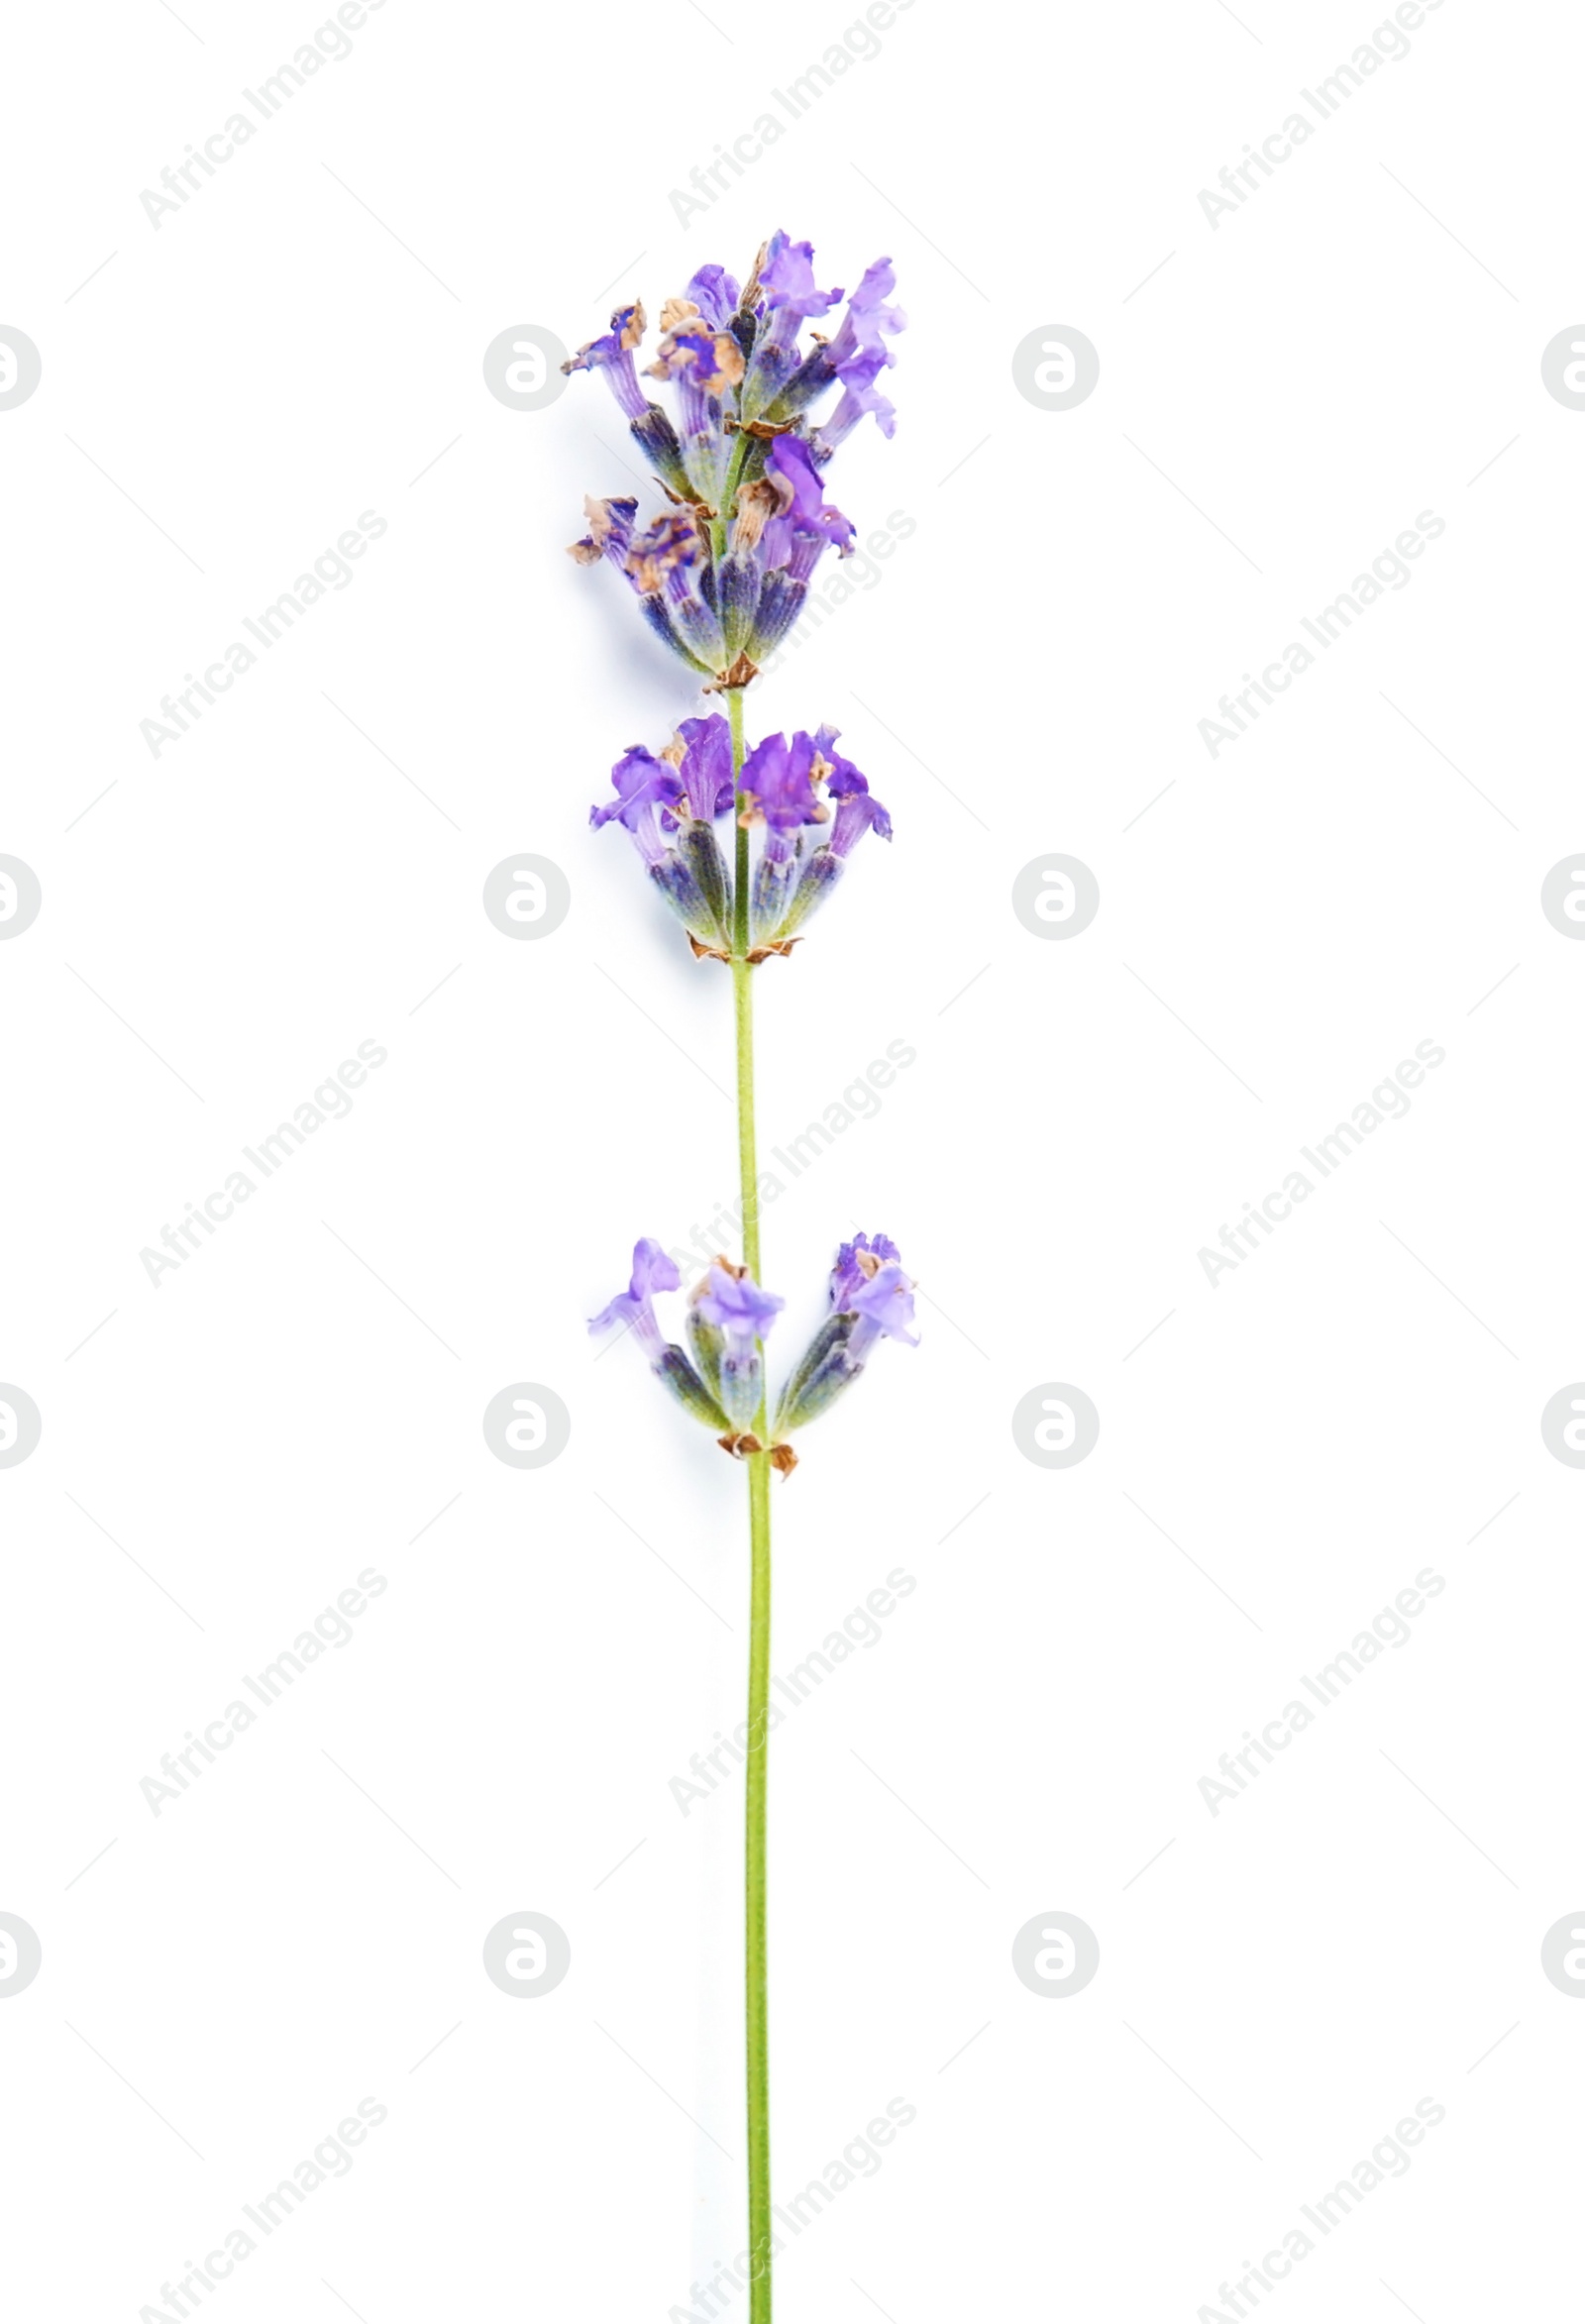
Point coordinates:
pixel 807 805
pixel 744 843
pixel 722 574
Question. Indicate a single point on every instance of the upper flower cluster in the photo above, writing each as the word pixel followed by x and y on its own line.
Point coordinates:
pixel 811 805
pixel 721 1382
pixel 721 574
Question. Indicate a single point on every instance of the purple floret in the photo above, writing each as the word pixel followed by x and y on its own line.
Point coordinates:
pixel 737 1306
pixel 787 276
pixel 856 812
pixel 707 766
pixel 868 321
pixel 653 1271
pixel 851 1271
pixel 715 294
pixel 643 782
pixel 884 1308
pixel 805 524
pixel 860 396
pixel 613 355
pixel 778 781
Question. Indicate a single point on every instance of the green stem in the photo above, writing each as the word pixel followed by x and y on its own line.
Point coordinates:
pixel 757 2029
pixel 755 1968
pixel 728 508
pixel 748 1175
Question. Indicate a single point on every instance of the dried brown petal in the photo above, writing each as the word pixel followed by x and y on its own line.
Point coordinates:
pixel 756 504
pixel 740 1447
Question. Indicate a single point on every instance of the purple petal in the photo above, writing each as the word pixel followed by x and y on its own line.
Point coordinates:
pixel 652 1270
pixel 777 776
pixel 787 275
pixel 886 1303
pixel 737 1306
pixel 860 397
pixel 868 321
pixel 805 517
pixel 613 355
pixel 857 811
pixel 715 294
pixel 706 768
pixel 642 782
pixel 850 1273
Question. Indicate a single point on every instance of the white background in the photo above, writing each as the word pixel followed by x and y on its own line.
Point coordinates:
pixel 301 341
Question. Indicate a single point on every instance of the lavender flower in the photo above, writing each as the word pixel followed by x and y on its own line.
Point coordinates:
pixel 854 359
pixel 804 521
pixel 776 783
pixel 868 321
pixel 648 795
pixel 614 356
pixel 779 792
pixel 872 1298
pixel 885 1309
pixel 822 866
pixel 716 295
pixel 610 532
pixel 857 1263
pixel 702 756
pixel 669 564
pixel 668 805
pixel 633 1308
pixel 785 274
pixel 722 574
pixel 729 1315
pixel 810 804
pixel 703 365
